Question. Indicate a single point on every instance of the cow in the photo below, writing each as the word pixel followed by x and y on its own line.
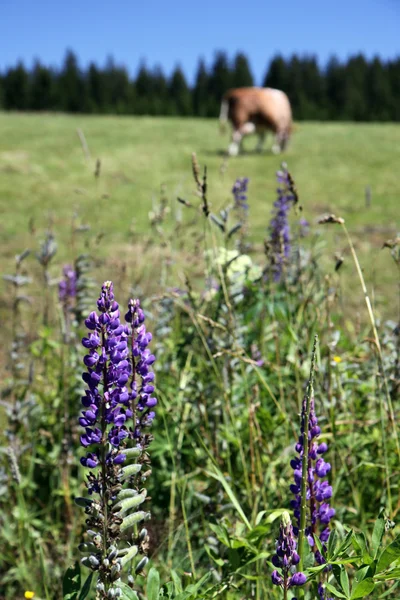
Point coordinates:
pixel 257 110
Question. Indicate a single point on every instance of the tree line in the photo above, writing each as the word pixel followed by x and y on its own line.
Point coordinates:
pixel 357 89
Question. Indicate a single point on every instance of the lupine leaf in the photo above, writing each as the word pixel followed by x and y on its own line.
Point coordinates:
pixel 72 582
pixel 377 534
pixel 389 555
pixel 177 582
pixel 153 584
pixel 344 581
pixel 127 592
pixel 362 589
pixel 334 591
pixel 86 587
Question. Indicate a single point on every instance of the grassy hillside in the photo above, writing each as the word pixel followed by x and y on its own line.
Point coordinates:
pixel 45 175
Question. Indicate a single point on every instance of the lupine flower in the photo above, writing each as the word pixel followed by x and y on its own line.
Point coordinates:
pixel 118 406
pixel 286 557
pixel 239 192
pixel 318 489
pixel 279 242
pixel 67 286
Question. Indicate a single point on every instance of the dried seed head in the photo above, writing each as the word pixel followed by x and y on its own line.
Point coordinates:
pixel 331 219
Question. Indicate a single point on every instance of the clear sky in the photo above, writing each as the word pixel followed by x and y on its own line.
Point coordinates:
pixel 167 32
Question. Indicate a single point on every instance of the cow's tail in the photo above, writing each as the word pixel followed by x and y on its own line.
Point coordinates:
pixel 223 115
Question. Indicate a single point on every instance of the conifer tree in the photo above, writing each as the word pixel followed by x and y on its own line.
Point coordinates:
pixel 241 76
pixel 180 94
pixel 201 100
pixel 41 96
pixel 16 88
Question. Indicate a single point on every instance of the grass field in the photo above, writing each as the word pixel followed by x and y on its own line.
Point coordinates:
pixel 235 340
pixel 44 175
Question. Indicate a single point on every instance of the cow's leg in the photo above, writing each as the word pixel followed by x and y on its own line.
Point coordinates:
pixel 276 147
pixel 234 146
pixel 261 140
pixel 237 138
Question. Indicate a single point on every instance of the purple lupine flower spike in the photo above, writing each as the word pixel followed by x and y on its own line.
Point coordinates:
pixel 286 557
pixel 67 286
pixel 318 490
pixel 108 368
pixel 142 386
pixel 280 242
pixel 118 405
pixel 239 192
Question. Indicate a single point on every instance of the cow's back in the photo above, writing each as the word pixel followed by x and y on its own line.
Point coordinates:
pixel 262 106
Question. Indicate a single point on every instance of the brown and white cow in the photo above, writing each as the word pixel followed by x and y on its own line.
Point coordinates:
pixel 257 110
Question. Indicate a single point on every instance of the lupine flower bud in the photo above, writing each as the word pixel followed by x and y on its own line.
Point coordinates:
pixel 286 557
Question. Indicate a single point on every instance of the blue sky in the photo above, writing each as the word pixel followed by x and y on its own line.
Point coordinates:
pixel 180 31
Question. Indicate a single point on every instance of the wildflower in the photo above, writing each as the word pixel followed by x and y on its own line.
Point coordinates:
pixel 239 192
pixel 286 557
pixel 118 407
pixel 318 489
pixel 337 359
pixel 279 243
pixel 67 286
pixel 29 594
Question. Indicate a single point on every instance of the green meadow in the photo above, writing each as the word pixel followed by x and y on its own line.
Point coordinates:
pixel 46 178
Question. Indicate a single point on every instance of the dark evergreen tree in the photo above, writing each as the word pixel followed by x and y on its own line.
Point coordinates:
pixel 161 102
pixel 71 85
pixel 277 75
pixel 379 91
pixel 41 95
pixel 144 91
pixel 219 82
pixel 95 96
pixel 117 88
pixel 394 78
pixel 180 94
pixel 355 94
pixel 335 89
pixel 16 88
pixel 241 76
pixel 201 98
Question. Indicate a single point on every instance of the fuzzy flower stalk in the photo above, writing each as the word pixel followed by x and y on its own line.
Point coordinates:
pixel 117 410
pixel 286 558
pixel 279 244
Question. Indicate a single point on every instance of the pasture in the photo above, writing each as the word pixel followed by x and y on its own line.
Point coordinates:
pixel 234 314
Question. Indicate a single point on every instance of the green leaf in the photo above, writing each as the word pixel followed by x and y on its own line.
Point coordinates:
pixel 377 534
pixel 363 572
pixel 344 545
pixel 389 555
pixel 72 582
pixel 362 588
pixel 127 592
pixel 153 584
pixel 332 542
pixel 318 544
pixel 218 475
pixel 334 591
pixel 177 582
pixel 86 587
pixel 344 581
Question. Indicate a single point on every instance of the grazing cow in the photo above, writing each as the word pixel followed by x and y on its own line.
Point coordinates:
pixel 254 109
